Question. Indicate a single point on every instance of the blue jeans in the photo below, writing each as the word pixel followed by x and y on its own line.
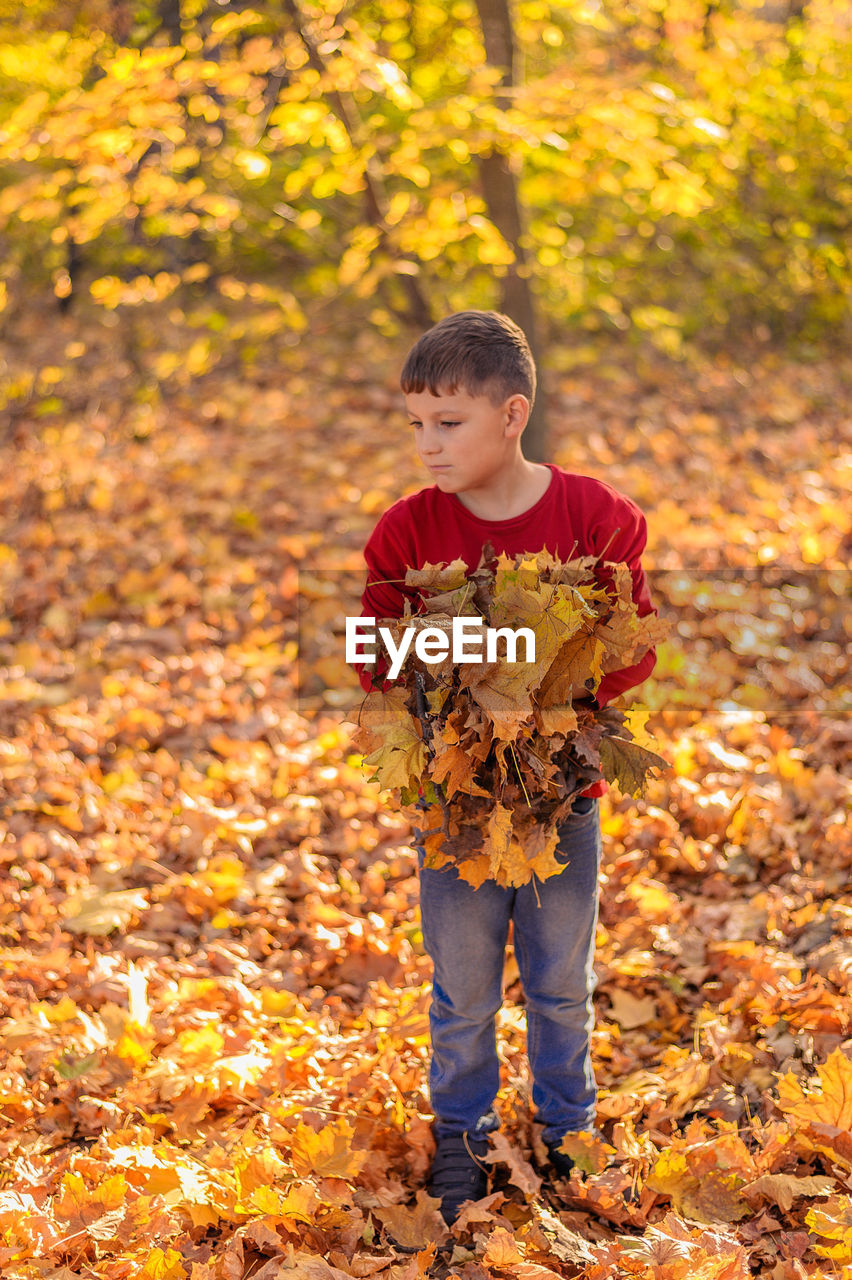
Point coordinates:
pixel 465 932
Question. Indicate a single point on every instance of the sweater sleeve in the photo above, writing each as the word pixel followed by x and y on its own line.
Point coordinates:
pixel 384 596
pixel 627 544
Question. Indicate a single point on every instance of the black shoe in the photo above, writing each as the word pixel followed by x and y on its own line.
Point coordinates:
pixel 457 1174
pixel 562 1164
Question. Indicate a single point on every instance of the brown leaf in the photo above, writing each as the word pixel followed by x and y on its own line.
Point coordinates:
pixel 415 1226
pixel 783 1188
pixel 309 1266
pixel 521 1172
pixel 629 1010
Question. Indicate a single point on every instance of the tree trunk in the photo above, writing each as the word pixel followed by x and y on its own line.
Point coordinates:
pixel 375 196
pixel 500 190
pixel 711 9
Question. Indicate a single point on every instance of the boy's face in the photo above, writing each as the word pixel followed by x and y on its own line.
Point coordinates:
pixel 464 440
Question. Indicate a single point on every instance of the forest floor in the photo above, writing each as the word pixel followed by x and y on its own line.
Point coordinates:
pixel 213 989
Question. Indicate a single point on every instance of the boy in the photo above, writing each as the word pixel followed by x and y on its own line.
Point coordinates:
pixel 469 385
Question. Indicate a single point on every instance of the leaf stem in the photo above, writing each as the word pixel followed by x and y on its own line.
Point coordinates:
pixel 520 776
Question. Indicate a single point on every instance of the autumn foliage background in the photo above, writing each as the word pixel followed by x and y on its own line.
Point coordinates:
pixel 221 228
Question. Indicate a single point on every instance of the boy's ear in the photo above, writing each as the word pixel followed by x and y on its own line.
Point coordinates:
pixel 518 412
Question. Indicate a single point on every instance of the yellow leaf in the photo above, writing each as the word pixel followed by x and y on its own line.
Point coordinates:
pixel 278 1004
pixel 326 1152
pixel 540 848
pixel 300 1202
pixel 589 1152
pixel 387 731
pixel 62 1011
pixel 97 913
pixel 198 1048
pixel 163 1265
pixel 437 577
pixel 705 1179
pixel 834 1221
pixel 627 764
pixel 827 1102
pixel 652 899
pixel 134 1045
pixel 225 875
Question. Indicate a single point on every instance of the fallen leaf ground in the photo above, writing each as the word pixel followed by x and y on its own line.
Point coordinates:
pixel 214 991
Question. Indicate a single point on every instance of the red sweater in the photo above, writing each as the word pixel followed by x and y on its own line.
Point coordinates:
pixel 576 516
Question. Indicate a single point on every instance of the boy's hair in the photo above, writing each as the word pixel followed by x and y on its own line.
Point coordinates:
pixel 482 352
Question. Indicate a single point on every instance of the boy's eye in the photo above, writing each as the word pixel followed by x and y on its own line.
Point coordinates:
pixel 445 423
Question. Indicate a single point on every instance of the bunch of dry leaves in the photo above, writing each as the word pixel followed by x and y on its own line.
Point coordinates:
pixel 501 748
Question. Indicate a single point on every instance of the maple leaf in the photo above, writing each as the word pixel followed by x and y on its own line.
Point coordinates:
pixel 833 1220
pixel 503 693
pixel 309 1266
pixel 627 763
pixel 456 603
pixel 576 667
pixel 398 767
pixel 555 718
pixel 783 1188
pixel 415 1226
pixel 540 845
pixel 829 1101
pixel 685 1078
pixel 392 737
pixel 631 1011
pixel 521 1172
pixel 475 871
pixel 824 1110
pixel 452 769
pixel 705 1180
pixel 438 577
pixel 501 1249
pixel 383 718
pixel 550 612
pixel 588 1151
pixel 508 864
pixel 672 1250
pixel 624 632
pixel 326 1152
pixel 163 1264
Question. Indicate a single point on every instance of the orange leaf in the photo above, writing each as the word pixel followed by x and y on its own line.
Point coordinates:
pixel 501 1249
